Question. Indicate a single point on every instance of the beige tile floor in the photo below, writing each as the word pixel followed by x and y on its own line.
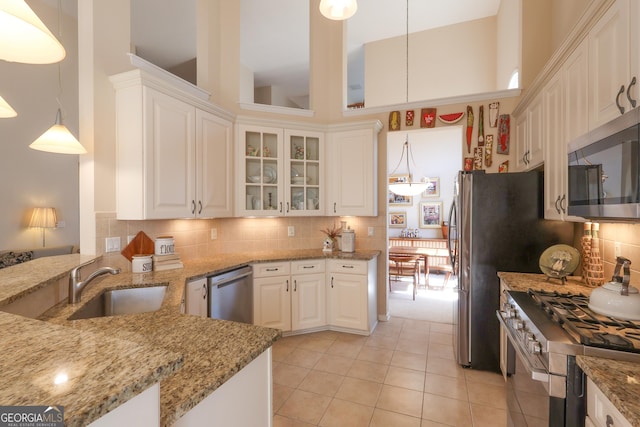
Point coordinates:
pixel 404 374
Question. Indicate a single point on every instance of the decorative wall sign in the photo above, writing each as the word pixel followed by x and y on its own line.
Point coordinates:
pixel 394 120
pixel 481 126
pixel 408 118
pixel 468 164
pixel 433 188
pixel 488 147
pixel 451 118
pixel 430 215
pixel 428 118
pixel 396 199
pixel 504 167
pixel 493 114
pixel 504 125
pixel 469 127
pixel 477 158
pixel 397 219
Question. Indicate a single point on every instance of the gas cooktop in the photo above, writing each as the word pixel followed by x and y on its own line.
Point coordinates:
pixel 571 311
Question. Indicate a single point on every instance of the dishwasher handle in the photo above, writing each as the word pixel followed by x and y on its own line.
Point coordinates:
pixel 227 279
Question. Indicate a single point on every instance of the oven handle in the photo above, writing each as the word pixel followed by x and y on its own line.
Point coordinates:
pixel 536 374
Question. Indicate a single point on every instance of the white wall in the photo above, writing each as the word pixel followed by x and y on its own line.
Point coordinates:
pixel 509 41
pixel 35 178
pixel 437 153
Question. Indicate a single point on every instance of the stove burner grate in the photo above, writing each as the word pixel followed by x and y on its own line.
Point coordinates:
pixel 572 312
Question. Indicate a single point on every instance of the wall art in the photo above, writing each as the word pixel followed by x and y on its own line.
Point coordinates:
pixel 433 188
pixel 494 108
pixel 397 219
pixel 504 129
pixel 488 148
pixel 430 214
pixel 394 120
pixel 408 118
pixel 428 118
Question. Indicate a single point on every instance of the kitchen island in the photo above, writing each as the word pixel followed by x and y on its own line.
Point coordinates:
pixel 204 353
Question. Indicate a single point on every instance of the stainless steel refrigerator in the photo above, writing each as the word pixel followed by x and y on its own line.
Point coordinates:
pixel 496 223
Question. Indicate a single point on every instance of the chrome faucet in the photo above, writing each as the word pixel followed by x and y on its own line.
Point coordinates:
pixel 76 285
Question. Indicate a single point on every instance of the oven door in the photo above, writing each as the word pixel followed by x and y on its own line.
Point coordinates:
pixel 534 397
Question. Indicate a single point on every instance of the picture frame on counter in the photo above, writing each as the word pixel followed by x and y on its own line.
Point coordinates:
pixel 397 219
pixel 430 214
pixel 433 188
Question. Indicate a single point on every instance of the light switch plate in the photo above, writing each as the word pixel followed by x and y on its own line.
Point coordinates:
pixel 112 244
pixel 370 232
pixel 617 249
pixel 214 233
pixel 291 231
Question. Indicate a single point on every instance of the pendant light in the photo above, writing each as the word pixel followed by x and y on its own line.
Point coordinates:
pixel 410 187
pixel 23 36
pixel 338 10
pixel 58 139
pixel 5 110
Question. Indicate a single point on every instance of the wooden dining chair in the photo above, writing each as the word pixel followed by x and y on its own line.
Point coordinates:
pixel 405 266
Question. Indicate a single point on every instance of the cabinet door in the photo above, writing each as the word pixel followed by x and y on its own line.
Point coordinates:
pixel 214 166
pixel 352 173
pixel 196 293
pixel 272 302
pixel 308 301
pixel 555 149
pixel 169 156
pixel 522 141
pixel 535 123
pixel 304 174
pixel 576 83
pixel 347 300
pixel 609 64
pixel 260 171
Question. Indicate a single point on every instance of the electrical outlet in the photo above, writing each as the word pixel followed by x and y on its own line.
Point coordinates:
pixel 291 231
pixel 617 249
pixel 61 224
pixel 112 244
pixel 214 233
pixel 370 232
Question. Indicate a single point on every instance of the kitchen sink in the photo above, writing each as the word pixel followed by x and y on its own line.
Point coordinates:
pixel 122 301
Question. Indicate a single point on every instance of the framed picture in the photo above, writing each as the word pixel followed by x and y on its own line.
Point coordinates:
pixel 430 214
pixel 397 219
pixel 396 199
pixel 433 188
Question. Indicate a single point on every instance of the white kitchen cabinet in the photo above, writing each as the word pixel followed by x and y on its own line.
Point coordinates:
pixel 196 294
pixel 600 411
pixel 280 171
pixel 529 136
pixel 271 297
pixel 575 80
pixel 246 399
pixel 142 410
pixel 351 295
pixel 290 295
pixel 352 165
pixel 610 69
pixel 173 156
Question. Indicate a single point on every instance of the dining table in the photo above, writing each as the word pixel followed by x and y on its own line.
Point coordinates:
pixel 424 254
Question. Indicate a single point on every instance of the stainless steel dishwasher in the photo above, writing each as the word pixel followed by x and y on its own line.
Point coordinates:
pixel 231 295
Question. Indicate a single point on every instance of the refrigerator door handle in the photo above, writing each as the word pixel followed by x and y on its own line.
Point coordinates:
pixel 452 229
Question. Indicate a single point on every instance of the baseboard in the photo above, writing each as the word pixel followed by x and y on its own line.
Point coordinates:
pixel 384 317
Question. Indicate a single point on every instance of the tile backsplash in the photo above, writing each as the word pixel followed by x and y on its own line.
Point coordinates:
pixel 193 236
pixel 627 236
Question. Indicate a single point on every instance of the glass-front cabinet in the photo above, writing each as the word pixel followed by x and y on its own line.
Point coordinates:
pixel 304 172
pixel 281 172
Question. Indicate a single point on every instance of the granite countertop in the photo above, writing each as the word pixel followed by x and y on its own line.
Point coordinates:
pixel 618 380
pixel 194 345
pixel 525 281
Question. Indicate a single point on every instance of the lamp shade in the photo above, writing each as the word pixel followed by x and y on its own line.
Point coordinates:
pixel 43 218
pixel 58 139
pixel 23 36
pixel 5 109
pixel 338 9
pixel 408 188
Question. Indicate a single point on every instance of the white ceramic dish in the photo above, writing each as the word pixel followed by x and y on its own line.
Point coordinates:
pixel 270 174
pixel 254 178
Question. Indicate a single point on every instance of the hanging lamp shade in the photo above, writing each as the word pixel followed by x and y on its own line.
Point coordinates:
pixel 5 110
pixel 23 36
pixel 338 10
pixel 58 139
pixel 407 187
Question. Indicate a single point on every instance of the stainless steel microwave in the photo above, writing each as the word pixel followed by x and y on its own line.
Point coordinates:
pixel 604 171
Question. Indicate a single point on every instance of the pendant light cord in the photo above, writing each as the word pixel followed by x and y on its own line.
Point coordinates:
pixel 59 95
